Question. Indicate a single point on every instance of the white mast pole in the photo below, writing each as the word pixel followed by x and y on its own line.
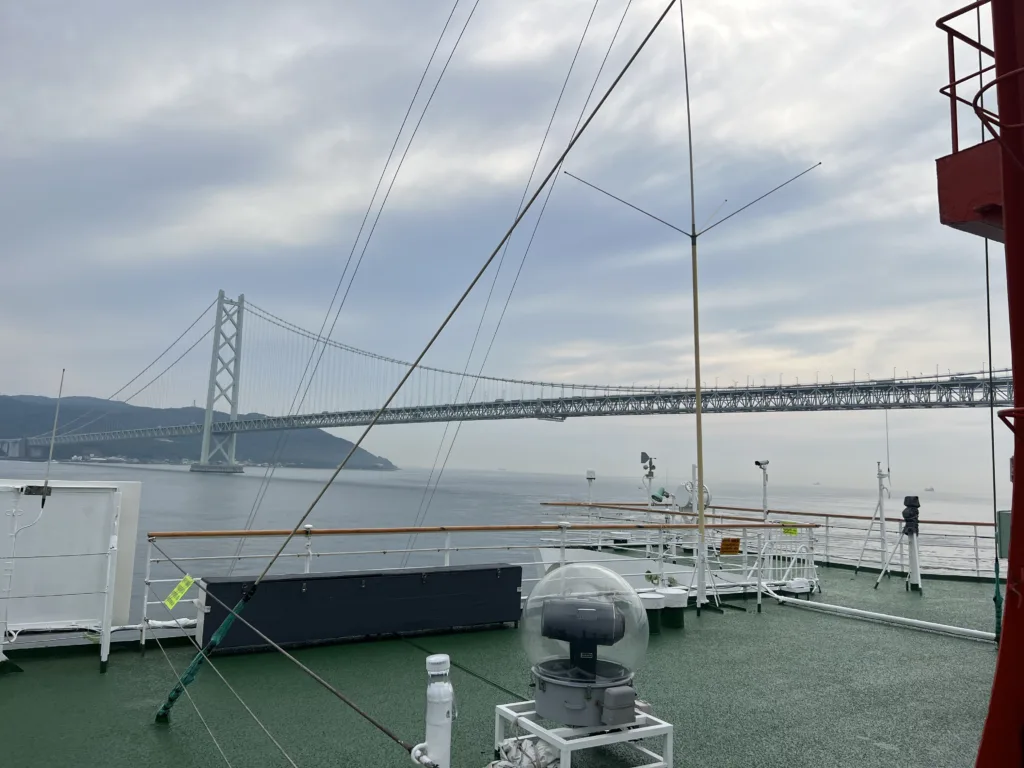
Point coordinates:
pixel 702 546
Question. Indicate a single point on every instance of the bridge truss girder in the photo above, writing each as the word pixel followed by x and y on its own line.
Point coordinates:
pixel 898 395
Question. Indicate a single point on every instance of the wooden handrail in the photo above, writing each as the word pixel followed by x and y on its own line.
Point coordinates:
pixel 631 507
pixel 466 529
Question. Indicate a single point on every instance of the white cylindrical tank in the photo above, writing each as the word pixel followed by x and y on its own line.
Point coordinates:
pixel 440 710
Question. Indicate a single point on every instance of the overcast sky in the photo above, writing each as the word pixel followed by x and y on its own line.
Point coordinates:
pixel 153 154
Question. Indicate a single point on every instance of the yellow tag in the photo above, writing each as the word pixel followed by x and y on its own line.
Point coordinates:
pixel 790 531
pixel 179 591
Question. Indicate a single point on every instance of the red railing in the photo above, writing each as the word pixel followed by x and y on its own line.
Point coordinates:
pixel 984 54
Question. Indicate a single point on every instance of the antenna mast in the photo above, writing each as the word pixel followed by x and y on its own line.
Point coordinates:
pixel 702 554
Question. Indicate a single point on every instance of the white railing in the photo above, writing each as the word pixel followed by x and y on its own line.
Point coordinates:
pixel 947 547
pixel 670 545
pixel 787 552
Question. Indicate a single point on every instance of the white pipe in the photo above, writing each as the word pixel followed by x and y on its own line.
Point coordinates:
pixel 974 634
pixel 701 542
pixel 915 567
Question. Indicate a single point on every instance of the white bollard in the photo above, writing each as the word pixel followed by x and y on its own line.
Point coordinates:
pixel 440 710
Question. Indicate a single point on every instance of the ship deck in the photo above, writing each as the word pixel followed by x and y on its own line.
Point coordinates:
pixel 787 687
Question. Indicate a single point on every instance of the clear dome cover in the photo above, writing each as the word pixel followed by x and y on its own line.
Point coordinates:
pixel 584 623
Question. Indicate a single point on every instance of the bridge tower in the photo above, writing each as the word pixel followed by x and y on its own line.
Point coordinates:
pixel 218 451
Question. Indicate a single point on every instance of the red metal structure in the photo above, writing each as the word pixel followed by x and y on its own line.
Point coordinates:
pixel 973 198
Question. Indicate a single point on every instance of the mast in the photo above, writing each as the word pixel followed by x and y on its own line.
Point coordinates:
pixel 699 490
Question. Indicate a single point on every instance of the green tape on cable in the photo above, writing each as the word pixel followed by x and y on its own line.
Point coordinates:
pixel 186 677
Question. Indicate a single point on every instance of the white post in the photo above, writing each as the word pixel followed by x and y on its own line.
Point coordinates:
pixel 448 548
pixel 564 526
pixel 764 494
pixel 661 555
pixel 977 562
pixel 309 548
pixel 145 595
pixel 108 589
pixel 440 711
pixel 648 482
pixel 591 477
pixel 702 595
pixel 760 560
pixel 9 571
pixel 914 576
pixel 764 503
pixel 882 526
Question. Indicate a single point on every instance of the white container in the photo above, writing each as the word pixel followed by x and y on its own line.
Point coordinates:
pixel 440 710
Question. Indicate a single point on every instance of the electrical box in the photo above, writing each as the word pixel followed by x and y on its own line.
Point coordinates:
pixel 1003 533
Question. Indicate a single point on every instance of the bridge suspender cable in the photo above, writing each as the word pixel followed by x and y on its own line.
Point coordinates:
pixel 189 674
pixel 425 501
pixel 137 376
pixel 322 338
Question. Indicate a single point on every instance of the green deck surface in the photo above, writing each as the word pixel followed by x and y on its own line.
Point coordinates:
pixel 787 687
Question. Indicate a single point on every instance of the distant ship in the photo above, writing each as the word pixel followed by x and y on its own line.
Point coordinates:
pixel 929 488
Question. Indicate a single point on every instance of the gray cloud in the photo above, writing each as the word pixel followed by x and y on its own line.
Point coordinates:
pixel 155 154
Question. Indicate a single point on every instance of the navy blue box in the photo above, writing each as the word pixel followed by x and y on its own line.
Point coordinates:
pixel 322 608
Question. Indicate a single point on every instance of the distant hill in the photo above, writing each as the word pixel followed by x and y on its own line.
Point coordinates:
pixel 31 415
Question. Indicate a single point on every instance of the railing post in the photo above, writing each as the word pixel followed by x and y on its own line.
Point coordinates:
pixel 448 548
pixel 760 560
pixel 661 555
pixel 561 559
pixel 828 524
pixel 309 547
pixel 951 53
pixel 977 561
pixel 902 567
pixel 145 595
pixel 809 553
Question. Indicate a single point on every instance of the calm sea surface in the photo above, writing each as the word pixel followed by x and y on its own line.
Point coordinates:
pixel 175 499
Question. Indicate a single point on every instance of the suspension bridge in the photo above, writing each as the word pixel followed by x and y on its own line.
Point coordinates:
pixel 347 385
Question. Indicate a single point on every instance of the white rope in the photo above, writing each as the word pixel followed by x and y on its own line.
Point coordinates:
pixel 194 705
pixel 252 714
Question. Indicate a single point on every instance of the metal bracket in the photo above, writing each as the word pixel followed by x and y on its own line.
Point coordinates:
pixel 1010 413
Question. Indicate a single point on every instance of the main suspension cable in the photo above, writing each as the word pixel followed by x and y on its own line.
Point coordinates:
pixel 137 376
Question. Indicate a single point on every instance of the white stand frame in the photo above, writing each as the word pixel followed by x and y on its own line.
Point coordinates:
pixel 568 740
pixel 878 514
pixel 103 623
pixel 913 580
